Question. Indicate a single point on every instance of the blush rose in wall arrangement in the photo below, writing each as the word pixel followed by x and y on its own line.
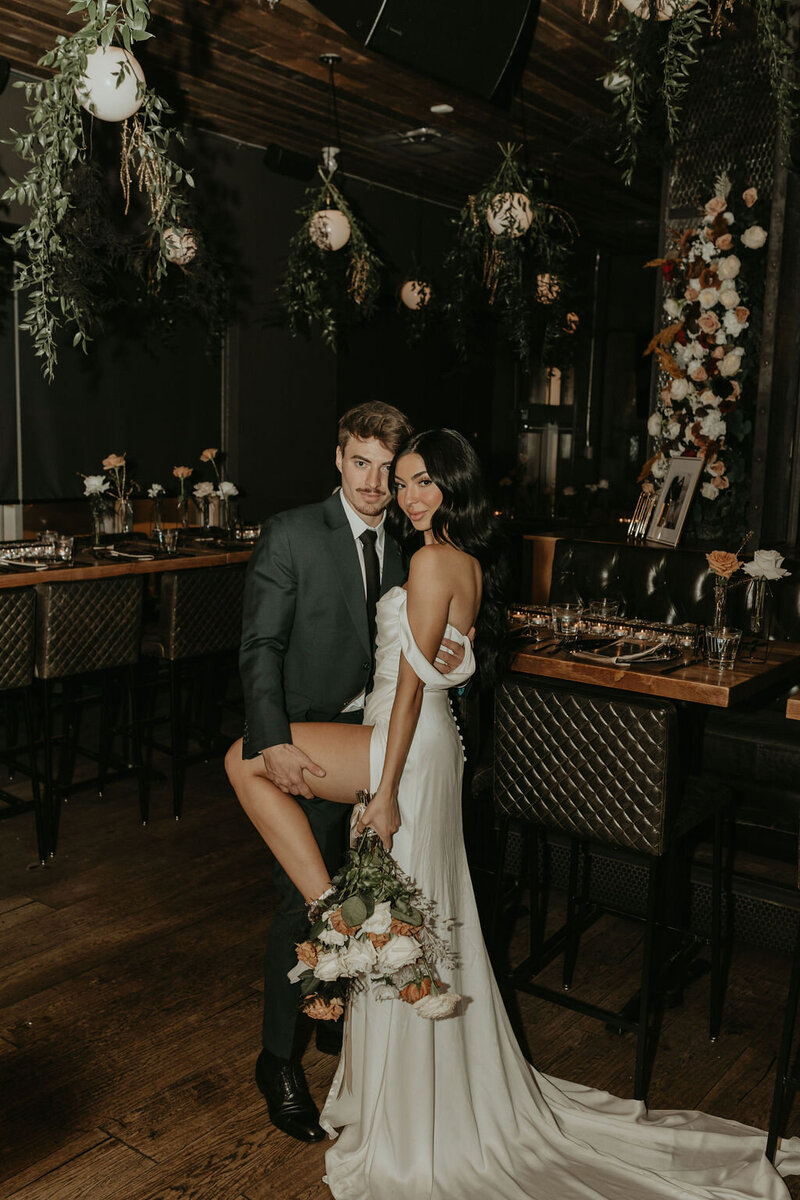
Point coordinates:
pixel 706 352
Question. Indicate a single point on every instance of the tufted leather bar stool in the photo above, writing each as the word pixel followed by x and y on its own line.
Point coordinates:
pixel 602 770
pixel 17 631
pixel 84 628
pixel 200 621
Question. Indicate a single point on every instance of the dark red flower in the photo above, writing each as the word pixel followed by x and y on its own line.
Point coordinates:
pixel 668 269
pixel 681 337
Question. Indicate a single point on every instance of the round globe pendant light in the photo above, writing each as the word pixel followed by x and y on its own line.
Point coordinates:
pixel 109 87
pixel 180 246
pixel 329 229
pixel 415 294
pixel 509 213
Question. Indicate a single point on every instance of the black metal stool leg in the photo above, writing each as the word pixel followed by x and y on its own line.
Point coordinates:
pixel 648 962
pixel 177 737
pixel 716 989
pixel 574 915
pixel 51 799
pixel 39 806
pixel 781 1090
pixel 142 773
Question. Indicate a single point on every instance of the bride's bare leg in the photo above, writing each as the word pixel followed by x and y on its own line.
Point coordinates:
pixel 343 752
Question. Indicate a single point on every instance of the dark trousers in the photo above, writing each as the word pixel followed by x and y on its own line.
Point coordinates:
pixel 290 924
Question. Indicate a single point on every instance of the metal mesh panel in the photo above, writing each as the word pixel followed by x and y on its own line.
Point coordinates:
pixel 729 120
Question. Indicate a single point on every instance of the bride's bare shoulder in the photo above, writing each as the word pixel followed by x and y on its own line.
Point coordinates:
pixel 441 562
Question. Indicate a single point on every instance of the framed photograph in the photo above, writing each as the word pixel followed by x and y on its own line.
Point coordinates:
pixel 673 501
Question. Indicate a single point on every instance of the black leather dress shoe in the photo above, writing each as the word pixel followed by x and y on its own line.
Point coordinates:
pixel 283 1085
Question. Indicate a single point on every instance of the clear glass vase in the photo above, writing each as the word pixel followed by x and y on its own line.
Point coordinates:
pixel 183 512
pixel 720 602
pixel 157 513
pixel 758 598
pixel 123 516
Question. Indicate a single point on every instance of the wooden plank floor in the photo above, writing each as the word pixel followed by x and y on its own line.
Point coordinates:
pixel 130 1013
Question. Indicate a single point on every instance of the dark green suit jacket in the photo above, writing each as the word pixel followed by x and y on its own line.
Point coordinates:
pixel 305 649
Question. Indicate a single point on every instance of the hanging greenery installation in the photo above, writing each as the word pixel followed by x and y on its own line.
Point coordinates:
pixel 333 275
pixel 508 238
pixel 68 236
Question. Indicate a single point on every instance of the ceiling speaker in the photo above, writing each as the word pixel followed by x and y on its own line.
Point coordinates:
pixel 467 43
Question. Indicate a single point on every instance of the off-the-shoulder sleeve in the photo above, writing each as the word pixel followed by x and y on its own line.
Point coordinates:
pixel 432 678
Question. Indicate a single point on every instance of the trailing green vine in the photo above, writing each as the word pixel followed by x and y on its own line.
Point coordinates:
pixel 330 286
pixel 53 247
pixel 655 55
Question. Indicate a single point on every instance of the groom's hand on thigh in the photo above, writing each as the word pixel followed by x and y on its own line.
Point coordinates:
pixel 285 765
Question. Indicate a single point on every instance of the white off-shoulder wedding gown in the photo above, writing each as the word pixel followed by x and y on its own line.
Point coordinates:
pixel 450 1110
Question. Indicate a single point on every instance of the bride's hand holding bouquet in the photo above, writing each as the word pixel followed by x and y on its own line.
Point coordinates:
pixel 382 816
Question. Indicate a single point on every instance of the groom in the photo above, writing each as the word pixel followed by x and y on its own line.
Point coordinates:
pixel 307 654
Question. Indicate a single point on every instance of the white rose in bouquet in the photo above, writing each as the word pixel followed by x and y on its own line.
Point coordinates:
pixel 381 919
pixel 358 958
pixel 673 430
pixel 679 389
pixel 332 937
pixel 709 492
pixel 729 298
pixel 708 297
pixel 436 1008
pixel 397 953
pixel 712 426
pixel 672 307
pixel 754 237
pixel 766 564
pixel 327 966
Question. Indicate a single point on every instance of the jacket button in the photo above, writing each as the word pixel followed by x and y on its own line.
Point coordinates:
pixel 365 666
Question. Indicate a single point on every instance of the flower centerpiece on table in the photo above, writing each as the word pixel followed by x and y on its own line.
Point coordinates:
pixel 724 565
pixel 225 490
pixel 156 494
pixel 95 488
pixel 122 488
pixel 182 474
pixel 765 566
pixel 706 353
pixel 203 492
pixel 375 927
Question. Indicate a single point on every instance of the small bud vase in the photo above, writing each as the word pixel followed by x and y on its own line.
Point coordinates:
pixel 758 597
pixel 183 512
pixel 157 513
pixel 123 516
pixel 720 602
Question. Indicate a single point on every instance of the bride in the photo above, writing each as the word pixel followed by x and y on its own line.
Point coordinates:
pixel 450 1110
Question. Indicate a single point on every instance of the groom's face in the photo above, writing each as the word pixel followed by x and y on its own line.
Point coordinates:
pixel 364 465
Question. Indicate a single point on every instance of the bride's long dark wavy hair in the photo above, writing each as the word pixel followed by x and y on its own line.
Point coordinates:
pixel 464 519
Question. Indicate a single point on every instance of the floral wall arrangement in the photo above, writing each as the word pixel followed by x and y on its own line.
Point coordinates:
pixel 707 353
pixel 657 45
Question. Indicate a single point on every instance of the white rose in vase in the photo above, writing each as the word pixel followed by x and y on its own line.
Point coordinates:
pixel 766 564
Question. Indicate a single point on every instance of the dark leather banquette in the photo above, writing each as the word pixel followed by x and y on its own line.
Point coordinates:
pixel 753 746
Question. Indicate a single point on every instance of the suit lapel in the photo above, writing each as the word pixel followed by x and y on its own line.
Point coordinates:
pixel 347 568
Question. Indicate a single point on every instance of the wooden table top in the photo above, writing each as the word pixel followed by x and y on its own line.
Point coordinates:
pixel 793 708
pixel 697 683
pixel 87 566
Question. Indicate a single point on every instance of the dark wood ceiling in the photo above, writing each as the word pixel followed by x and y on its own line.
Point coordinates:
pixel 254 74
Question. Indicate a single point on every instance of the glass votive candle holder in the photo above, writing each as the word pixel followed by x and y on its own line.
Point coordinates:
pixel 64 547
pixel 603 609
pixel 171 540
pixel 721 647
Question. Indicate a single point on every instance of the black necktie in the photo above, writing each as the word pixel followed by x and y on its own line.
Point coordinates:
pixel 372 574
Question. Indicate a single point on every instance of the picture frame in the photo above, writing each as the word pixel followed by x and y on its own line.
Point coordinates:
pixel 674 498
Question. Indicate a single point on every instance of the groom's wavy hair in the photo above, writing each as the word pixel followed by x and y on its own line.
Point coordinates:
pixel 374 419
pixel 465 519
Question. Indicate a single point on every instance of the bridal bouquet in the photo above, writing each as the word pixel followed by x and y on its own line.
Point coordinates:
pixel 373 927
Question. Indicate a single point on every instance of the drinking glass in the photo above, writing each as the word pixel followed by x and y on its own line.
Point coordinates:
pixel 722 646
pixel 603 610
pixel 64 545
pixel 48 542
pixel 566 619
pixel 171 540
pixel 158 536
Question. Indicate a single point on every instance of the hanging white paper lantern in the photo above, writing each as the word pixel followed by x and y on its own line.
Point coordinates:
pixel 509 213
pixel 329 229
pixel 180 246
pixel 665 9
pixel 102 91
pixel 415 293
